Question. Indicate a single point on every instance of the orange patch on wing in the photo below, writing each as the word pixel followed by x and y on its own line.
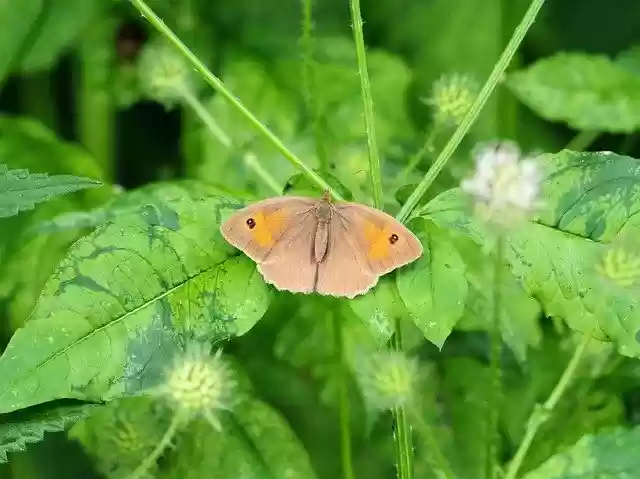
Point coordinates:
pixel 267 227
pixel 378 239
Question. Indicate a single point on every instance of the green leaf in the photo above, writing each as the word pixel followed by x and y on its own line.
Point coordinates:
pixel 20 190
pixel 592 195
pixel 379 308
pixel 255 443
pixel 19 19
pixel 630 59
pixel 589 198
pixel 587 92
pixel 434 288
pixel 115 301
pixel 19 429
pixel 612 454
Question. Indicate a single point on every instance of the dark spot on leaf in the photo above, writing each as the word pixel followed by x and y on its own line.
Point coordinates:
pixel 160 214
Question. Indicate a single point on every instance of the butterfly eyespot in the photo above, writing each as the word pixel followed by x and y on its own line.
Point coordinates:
pixel 251 223
pixel 393 239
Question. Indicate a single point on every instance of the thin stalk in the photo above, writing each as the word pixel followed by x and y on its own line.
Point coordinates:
pixel 542 413
pixel 345 416
pixel 418 156
pixel 37 98
pixel 582 140
pixel 495 368
pixel 159 449
pixel 365 87
pixel 218 86
pixel 404 444
pixel 438 459
pixel 218 133
pixel 310 90
pixel 474 111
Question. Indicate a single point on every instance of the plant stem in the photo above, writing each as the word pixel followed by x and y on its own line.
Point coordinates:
pixel 542 413
pixel 495 399
pixel 474 111
pixel 310 90
pixel 404 445
pixel 345 417
pixel 159 449
pixel 365 87
pixel 439 461
pixel 218 86
pixel 582 140
pixel 251 160
pixel 212 125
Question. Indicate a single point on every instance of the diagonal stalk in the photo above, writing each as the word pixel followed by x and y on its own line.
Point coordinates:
pixel 474 111
pixel 219 87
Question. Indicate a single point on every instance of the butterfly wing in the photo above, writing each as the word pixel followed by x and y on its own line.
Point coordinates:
pixel 385 242
pixel 257 229
pixel 278 235
pixel 345 271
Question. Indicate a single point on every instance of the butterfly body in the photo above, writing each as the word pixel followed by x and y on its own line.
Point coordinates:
pixel 309 245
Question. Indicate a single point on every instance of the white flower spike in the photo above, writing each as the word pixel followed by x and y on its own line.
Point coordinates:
pixel 505 185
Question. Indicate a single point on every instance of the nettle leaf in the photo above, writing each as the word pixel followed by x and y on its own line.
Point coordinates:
pixel 592 195
pixel 19 429
pixel 556 259
pixel 20 190
pixel 613 454
pixel 434 288
pixel 116 300
pixel 255 443
pixel 588 92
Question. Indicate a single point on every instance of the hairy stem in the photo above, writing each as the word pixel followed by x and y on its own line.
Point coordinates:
pixel 404 444
pixel 159 449
pixel 345 416
pixel 495 399
pixel 365 87
pixel 218 86
pixel 474 111
pixel 542 413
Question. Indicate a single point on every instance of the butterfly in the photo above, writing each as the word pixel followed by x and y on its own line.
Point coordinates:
pixel 306 245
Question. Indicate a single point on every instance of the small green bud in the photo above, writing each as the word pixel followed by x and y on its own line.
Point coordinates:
pixel 164 74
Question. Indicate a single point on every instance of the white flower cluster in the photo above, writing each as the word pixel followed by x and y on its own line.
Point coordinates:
pixel 505 185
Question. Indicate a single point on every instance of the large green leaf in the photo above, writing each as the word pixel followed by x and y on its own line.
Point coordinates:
pixel 20 190
pixel 255 443
pixel 555 258
pixel 434 288
pixel 588 92
pixel 116 299
pixel 613 454
pixel 21 428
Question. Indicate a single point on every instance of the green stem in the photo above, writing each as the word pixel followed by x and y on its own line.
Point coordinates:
pixel 582 140
pixel 369 120
pixel 416 158
pixel 404 445
pixel 159 449
pixel 251 160
pixel 345 418
pixel 218 86
pixel 37 98
pixel 311 92
pixel 542 413
pixel 495 399
pixel 474 111
pixel 437 457
pixel 212 125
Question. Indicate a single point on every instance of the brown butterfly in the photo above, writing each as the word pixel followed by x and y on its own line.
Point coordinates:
pixel 305 244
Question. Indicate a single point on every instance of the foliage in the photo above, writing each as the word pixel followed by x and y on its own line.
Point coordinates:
pixel 118 165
